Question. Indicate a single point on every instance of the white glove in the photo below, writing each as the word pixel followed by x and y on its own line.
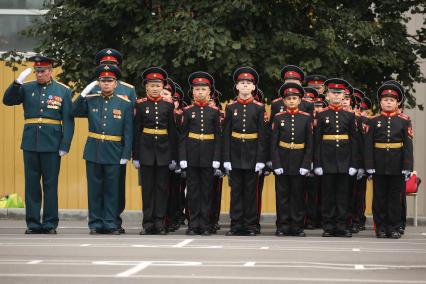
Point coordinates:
pixel 215 164
pixel 303 172
pixel 371 171
pixel 352 171
pixel 123 161
pixel 136 164
pixel 172 165
pixel 279 171
pixel 62 153
pixel 218 173
pixel 318 171
pixel 406 174
pixel 89 88
pixel 24 74
pixel 178 170
pixel 360 174
pixel 269 164
pixel 183 164
pixel 227 166
pixel 259 167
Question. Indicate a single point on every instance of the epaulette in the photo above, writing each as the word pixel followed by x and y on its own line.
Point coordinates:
pixel 280 113
pixel 214 107
pixel 324 109
pixel 168 100
pixel 404 116
pixel 123 97
pixel 277 100
pixel 304 113
pixel 306 100
pixel 29 82
pixel 126 84
pixel 93 95
pixel 188 107
pixel 178 111
pixel 141 100
pixel 258 103
pixel 62 84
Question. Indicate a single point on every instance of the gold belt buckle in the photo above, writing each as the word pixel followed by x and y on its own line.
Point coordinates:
pixel 292 145
pixel 201 136
pixel 102 137
pixel 40 119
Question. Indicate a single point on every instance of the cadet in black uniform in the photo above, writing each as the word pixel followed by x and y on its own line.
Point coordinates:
pixel 291 152
pixel 244 151
pixel 154 149
pixel 199 151
pixel 335 158
pixel 389 157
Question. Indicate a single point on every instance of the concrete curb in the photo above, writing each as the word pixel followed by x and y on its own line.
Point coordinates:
pixel 136 216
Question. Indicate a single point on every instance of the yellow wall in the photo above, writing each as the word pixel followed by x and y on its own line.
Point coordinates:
pixel 72 181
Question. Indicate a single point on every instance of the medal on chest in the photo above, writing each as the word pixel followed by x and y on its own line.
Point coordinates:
pixel 327 119
pixel 193 114
pixel 116 113
pixel 282 123
pixel 379 123
pixel 235 112
pixel 147 110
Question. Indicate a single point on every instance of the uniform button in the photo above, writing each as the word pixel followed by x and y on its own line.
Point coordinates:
pixel 292 115
pixel 202 120
pixel 244 130
pixel 292 129
pixel 337 140
pixel 202 125
pixel 337 130
pixel 292 138
pixel 156 117
pixel 244 115
pixel 337 145
pixel 104 124
pixel 43 95
pixel 44 88
pixel 155 103
pixel 244 140
pixel 39 126
pixel 155 137
pixel 244 110
pixel 337 121
pixel 244 120
pixel 106 109
pixel 155 107
pixel 388 131
pixel 106 101
pixel 156 122
pixel 156 127
pixel 42 102
pixel 103 132
pixel 337 112
pixel 41 110
pixel 244 106
pixel 337 126
pixel 105 116
pixel 202 129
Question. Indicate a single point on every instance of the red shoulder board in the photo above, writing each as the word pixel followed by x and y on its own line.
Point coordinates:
pixel 188 107
pixel 141 100
pixel 277 100
pixel 214 107
pixel 404 116
pixel 304 113
pixel 168 100
pixel 280 113
pixel 324 109
pixel 258 103
pixel 306 100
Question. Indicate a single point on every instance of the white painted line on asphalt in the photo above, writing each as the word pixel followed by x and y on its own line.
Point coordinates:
pixel 135 269
pixel 356 249
pixel 34 261
pixel 359 267
pixel 218 277
pixel 264 247
pixel 250 263
pixel 423 234
pixel 85 245
pixel 183 243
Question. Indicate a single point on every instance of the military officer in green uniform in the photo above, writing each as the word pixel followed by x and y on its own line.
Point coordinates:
pixel 48 131
pixel 114 57
pixel 108 146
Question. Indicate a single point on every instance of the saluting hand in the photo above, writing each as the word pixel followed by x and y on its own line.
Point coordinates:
pixel 88 88
pixel 24 74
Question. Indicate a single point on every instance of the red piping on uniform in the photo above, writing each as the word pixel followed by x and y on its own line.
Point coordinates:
pixel 159 98
pixel 245 102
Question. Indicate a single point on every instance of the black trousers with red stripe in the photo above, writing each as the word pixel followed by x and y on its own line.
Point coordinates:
pixel 243 211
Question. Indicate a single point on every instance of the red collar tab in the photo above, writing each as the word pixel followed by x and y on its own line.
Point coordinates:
pixel 389 113
pixel 333 107
pixel 201 103
pixel 159 98
pixel 244 102
pixel 292 111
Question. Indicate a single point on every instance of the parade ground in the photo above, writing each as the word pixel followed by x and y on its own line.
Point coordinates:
pixel 74 256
